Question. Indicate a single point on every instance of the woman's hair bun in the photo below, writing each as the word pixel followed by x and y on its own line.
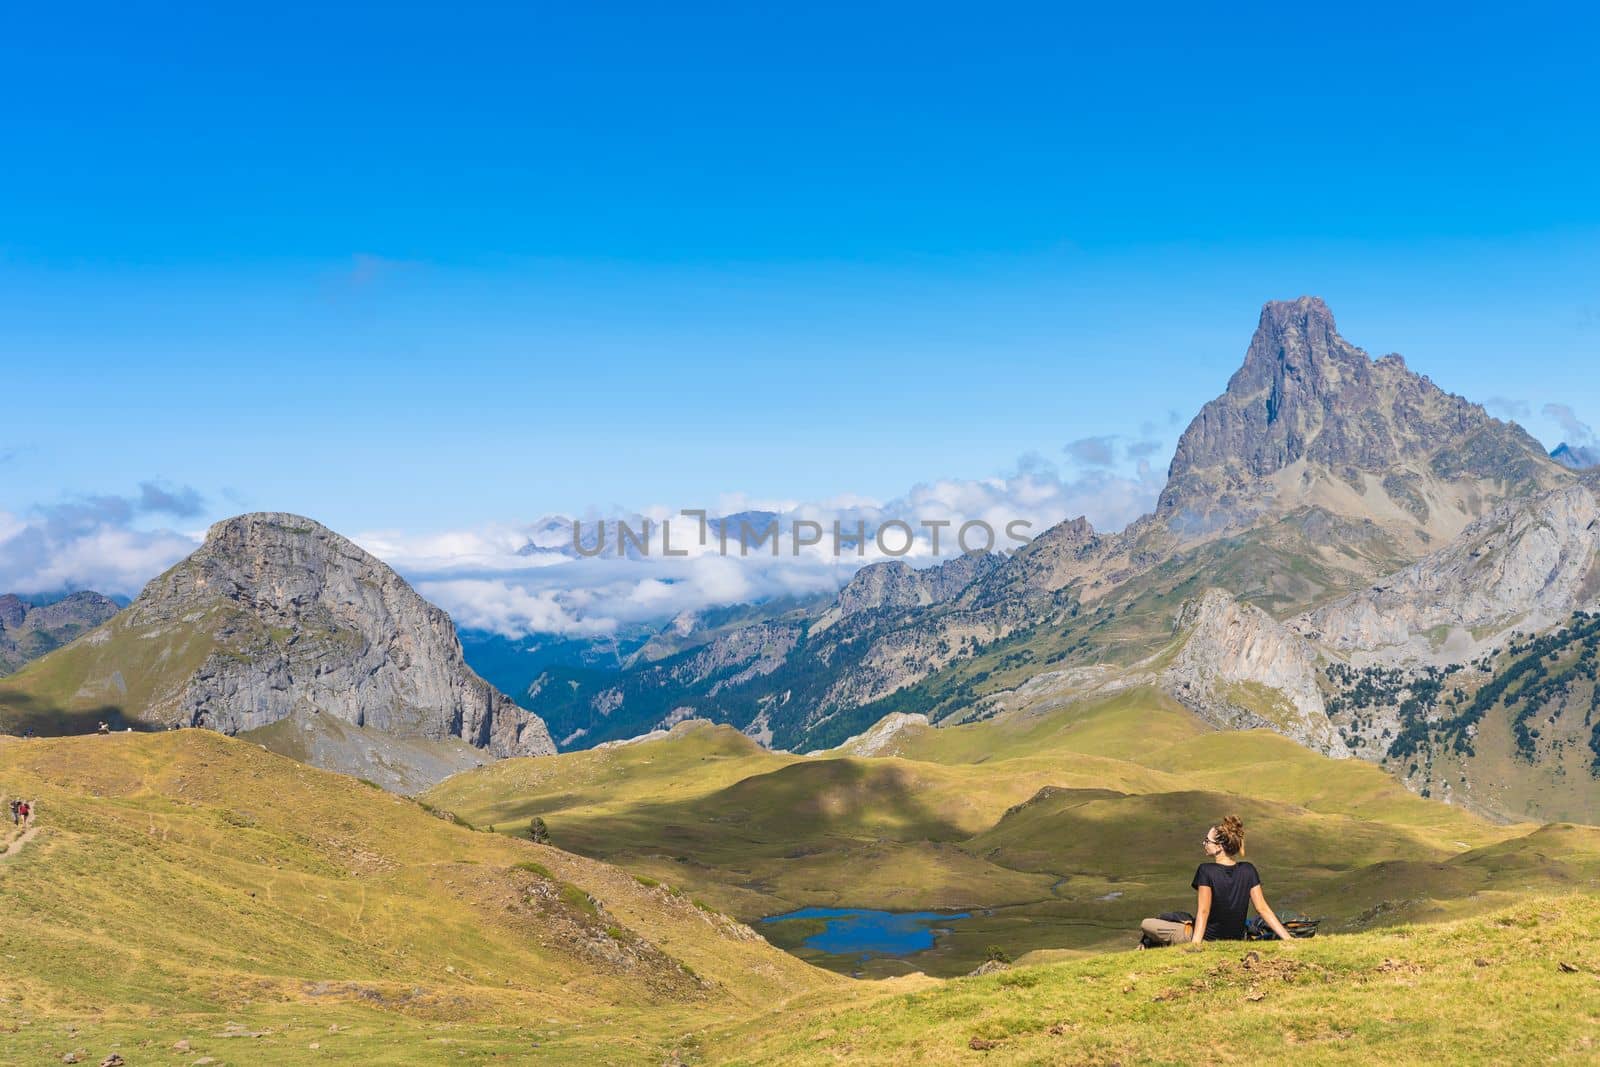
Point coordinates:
pixel 1230 832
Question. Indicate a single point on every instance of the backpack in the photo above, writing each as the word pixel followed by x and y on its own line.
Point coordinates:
pixel 1298 927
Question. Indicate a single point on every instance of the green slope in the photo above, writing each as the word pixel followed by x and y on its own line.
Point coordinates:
pixel 1062 828
pixel 115 672
pixel 1520 985
pixel 181 882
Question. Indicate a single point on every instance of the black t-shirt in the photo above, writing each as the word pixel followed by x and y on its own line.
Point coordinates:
pixel 1230 897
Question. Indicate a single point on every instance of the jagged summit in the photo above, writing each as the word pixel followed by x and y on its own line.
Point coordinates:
pixel 1297 335
pixel 1309 418
pixel 896 584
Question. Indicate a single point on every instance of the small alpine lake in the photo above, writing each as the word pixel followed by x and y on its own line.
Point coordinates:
pixel 860 932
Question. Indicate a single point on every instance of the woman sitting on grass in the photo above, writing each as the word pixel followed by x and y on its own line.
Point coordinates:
pixel 1227 886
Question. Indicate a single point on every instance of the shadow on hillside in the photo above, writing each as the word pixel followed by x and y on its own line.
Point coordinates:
pixel 767 814
pixel 21 713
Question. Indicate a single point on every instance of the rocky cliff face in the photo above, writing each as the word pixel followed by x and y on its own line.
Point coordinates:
pixel 318 626
pixel 896 586
pixel 1240 669
pixel 1527 565
pixel 276 618
pixel 28 631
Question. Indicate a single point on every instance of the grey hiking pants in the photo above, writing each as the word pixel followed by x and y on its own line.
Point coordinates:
pixel 1168 933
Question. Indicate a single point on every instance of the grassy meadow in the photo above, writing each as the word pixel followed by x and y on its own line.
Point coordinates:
pixel 191 887
pixel 189 895
pixel 1059 830
pixel 1520 984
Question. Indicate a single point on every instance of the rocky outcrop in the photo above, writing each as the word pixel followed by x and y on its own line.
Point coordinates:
pixel 1065 553
pixel 885 734
pixel 1240 669
pixel 1527 565
pixel 315 625
pixel 28 631
pixel 896 586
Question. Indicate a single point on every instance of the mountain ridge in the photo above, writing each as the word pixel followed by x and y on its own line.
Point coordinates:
pixel 1315 472
pixel 30 627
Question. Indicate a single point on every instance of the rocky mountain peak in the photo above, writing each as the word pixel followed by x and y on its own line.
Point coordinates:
pixel 896 585
pixel 1295 339
pixel 1308 412
pixel 1078 531
pixel 1576 457
pixel 276 617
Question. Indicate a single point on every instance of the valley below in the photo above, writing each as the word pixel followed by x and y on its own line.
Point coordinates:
pixel 285 813
pixel 190 895
pixel 1053 832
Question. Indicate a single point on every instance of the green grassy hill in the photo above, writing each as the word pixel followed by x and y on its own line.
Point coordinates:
pixel 184 885
pixel 189 887
pixel 1061 829
pixel 117 672
pixel 1519 985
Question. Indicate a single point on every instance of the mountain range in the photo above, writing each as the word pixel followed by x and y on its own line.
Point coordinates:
pixel 1357 596
pixel 29 628
pixel 1336 536
pixel 1343 552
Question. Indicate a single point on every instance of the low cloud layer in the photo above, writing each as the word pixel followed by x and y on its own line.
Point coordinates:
pixel 522 580
pixel 518 579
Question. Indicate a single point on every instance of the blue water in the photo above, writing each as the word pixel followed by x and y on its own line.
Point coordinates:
pixel 864 932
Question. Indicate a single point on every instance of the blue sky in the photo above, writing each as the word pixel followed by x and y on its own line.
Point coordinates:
pixel 425 268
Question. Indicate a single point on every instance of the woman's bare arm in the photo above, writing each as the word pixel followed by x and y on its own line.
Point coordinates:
pixel 1202 912
pixel 1263 909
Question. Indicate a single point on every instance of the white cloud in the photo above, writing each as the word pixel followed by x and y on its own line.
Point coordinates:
pixel 1507 408
pixel 502 606
pixel 517 580
pixel 38 555
pixel 1576 430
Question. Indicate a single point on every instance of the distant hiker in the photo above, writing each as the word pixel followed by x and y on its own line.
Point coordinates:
pixel 25 814
pixel 16 812
pixel 1226 886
